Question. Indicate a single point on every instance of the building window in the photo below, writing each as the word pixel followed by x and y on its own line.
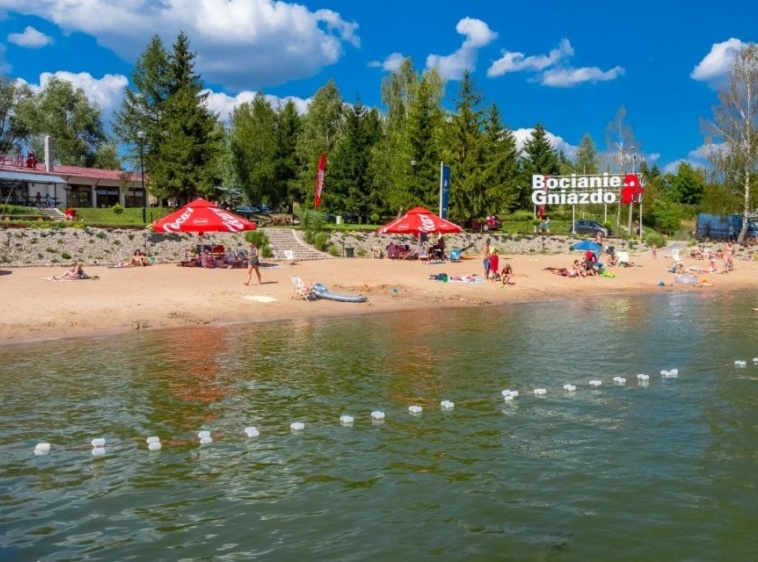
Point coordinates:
pixel 106 197
pixel 134 197
pixel 79 196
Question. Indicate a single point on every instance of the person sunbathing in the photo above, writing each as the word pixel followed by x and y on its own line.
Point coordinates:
pixel 75 272
pixel 138 259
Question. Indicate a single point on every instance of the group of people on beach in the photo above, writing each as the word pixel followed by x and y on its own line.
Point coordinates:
pixel 492 269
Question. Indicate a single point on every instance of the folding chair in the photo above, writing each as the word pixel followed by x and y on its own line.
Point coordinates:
pixel 289 255
pixel 455 255
pixel 624 259
pixel 301 290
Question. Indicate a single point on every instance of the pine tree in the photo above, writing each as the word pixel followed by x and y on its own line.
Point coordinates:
pixel 253 146
pixel 539 158
pixel 587 161
pixel 288 128
pixel 501 163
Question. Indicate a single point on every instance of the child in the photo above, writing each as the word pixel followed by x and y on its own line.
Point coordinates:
pixel 654 249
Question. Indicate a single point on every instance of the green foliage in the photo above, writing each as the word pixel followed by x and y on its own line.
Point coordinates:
pixel 14 132
pixel 65 111
pixel 665 216
pixel 334 251
pixel 374 218
pixel 117 209
pixel 65 255
pixel 311 219
pixel 321 240
pixel 652 237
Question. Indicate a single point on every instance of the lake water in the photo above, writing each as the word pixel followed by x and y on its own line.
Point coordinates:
pixel 657 470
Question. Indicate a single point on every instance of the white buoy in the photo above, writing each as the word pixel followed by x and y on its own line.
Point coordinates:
pixel 98 442
pixel 346 419
pixel 755 359
pixel 447 405
pixel 153 440
pixel 206 440
pixel 595 382
pixel 154 446
pixel 619 380
pixel 540 391
pixel 203 434
pixel 252 431
pixel 42 448
pixel 98 451
pixel 740 363
pixel 297 426
pixel 507 392
pixel 643 377
pixel 415 409
pixel 669 374
pixel 569 387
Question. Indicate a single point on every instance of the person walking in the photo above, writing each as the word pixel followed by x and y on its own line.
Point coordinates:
pixel 486 258
pixel 253 263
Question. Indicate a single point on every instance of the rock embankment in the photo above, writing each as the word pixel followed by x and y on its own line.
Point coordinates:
pixel 22 247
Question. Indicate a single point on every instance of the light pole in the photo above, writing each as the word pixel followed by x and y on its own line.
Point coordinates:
pixel 141 136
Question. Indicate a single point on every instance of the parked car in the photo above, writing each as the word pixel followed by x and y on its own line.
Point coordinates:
pixel 491 222
pixel 724 227
pixel 591 227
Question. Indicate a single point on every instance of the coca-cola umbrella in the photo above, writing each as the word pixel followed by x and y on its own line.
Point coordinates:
pixel 202 216
pixel 417 221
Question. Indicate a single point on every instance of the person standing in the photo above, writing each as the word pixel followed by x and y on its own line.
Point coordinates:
pixel 547 225
pixel 486 257
pixel 253 263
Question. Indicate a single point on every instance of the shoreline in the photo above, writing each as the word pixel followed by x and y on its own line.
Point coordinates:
pixel 166 296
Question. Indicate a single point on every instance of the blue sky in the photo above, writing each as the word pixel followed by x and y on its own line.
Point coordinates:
pixel 568 65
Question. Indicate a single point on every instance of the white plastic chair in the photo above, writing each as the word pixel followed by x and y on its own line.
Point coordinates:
pixel 301 290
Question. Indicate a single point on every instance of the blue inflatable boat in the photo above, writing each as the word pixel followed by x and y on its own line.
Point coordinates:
pixel 323 292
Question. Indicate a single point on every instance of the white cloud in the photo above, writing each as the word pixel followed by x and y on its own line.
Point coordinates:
pixel 107 92
pixel 30 38
pixel 223 104
pixel 478 35
pixel 718 61
pixel 242 44
pixel 568 77
pixel 673 167
pixel 551 68
pixel 513 61
pixel 522 136
pixel 390 64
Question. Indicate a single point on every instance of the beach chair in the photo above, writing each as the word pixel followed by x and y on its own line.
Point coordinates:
pixel 423 256
pixel 289 255
pixel 624 259
pixel 675 256
pixel 455 255
pixel 301 290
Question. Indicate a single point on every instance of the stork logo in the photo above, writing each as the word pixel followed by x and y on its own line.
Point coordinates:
pixel 632 190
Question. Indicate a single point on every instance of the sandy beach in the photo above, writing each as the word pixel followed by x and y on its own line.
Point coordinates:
pixel 168 296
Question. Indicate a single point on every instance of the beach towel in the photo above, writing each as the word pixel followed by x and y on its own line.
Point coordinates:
pixel 465 279
pixel 85 278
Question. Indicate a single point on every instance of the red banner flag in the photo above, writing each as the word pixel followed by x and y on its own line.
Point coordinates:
pixel 319 180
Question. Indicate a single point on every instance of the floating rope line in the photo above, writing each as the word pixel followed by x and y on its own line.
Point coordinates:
pixel 377 417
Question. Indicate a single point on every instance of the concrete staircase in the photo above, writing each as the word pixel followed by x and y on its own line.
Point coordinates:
pixel 281 239
pixel 52 213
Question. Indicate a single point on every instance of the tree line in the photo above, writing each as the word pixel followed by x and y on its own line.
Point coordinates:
pixel 379 162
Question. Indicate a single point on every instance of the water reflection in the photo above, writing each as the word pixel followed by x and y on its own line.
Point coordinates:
pixel 570 476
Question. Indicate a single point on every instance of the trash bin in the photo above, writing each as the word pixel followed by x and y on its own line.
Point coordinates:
pixel 349 252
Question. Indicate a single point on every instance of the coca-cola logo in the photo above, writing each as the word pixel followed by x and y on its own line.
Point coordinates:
pixel 427 224
pixel 231 222
pixel 175 225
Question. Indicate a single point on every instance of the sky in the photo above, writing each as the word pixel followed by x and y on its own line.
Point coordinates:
pixel 570 66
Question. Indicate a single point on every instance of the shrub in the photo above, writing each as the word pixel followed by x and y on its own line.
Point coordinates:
pixel 374 218
pixel 334 251
pixel 652 237
pixel 321 241
pixel 117 209
pixel 66 256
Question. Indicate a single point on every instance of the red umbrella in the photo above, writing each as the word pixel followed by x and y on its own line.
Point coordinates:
pixel 202 216
pixel 420 220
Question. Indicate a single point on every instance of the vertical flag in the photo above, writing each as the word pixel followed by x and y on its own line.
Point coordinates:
pixel 444 189
pixel 319 180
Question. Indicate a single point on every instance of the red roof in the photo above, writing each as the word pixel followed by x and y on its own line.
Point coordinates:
pixel 75 171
